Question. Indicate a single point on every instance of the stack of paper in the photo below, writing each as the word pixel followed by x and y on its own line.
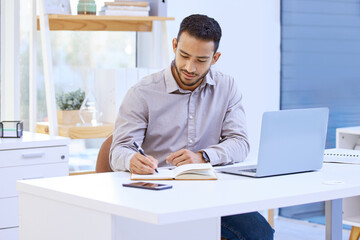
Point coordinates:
pixel 339 155
pixel 125 8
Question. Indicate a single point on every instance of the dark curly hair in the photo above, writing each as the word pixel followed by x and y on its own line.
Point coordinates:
pixel 201 27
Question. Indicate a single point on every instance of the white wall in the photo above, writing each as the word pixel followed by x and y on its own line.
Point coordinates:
pixel 250 49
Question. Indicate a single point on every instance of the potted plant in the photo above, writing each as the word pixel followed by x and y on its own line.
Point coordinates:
pixel 69 104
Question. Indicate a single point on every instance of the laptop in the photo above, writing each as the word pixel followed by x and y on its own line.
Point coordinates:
pixel 291 141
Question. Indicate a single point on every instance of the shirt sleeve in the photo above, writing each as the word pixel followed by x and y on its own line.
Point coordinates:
pixel 130 126
pixel 234 145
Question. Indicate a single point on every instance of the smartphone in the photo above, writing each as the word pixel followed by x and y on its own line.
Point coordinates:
pixel 147 185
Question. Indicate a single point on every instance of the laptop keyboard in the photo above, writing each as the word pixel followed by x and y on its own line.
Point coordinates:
pixel 253 170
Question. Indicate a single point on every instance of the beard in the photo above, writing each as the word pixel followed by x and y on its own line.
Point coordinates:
pixel 192 83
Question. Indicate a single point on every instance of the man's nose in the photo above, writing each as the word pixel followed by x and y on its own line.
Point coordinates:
pixel 190 66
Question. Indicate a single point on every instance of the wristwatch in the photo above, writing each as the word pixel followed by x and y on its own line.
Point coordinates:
pixel 205 157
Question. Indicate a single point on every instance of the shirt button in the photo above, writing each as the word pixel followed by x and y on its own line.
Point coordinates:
pixel 190 141
pixel 191 117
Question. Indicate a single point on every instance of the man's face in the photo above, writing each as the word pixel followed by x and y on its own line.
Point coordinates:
pixel 193 58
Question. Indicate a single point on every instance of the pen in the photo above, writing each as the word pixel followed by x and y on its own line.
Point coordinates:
pixel 142 152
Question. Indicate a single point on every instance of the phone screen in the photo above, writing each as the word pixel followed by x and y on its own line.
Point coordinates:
pixel 148 185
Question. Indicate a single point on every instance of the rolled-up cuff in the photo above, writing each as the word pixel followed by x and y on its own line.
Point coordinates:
pixel 120 161
pixel 127 162
pixel 214 159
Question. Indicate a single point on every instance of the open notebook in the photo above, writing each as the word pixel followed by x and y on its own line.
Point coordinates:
pixel 196 171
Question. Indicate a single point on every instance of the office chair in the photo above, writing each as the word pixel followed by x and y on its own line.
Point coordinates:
pixel 355 233
pixel 102 162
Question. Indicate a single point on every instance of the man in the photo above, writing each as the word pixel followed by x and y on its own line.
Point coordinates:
pixel 187 113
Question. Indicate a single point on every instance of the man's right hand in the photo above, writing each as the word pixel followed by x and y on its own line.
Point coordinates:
pixel 139 164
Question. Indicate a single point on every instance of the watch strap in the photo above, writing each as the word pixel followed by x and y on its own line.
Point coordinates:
pixel 205 156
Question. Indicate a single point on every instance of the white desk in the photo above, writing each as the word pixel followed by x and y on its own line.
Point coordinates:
pixel 96 206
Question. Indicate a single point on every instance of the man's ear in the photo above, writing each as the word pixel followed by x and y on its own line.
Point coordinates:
pixel 174 43
pixel 215 58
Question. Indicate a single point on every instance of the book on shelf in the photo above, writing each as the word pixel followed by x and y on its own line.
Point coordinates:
pixel 124 13
pixel 128 3
pixel 195 171
pixel 124 10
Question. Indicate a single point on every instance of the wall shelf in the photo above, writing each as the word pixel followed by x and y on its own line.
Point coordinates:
pixel 54 22
pixel 78 132
pixel 102 23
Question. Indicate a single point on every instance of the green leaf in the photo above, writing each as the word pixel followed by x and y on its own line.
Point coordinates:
pixel 70 100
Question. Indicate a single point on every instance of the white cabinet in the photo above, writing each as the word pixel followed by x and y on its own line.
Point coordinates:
pixel 349 138
pixel 32 156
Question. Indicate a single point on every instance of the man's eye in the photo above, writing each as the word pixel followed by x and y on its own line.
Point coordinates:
pixel 202 61
pixel 184 56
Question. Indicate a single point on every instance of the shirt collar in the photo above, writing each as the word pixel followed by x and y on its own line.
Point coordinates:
pixel 172 86
pixel 209 78
pixel 170 82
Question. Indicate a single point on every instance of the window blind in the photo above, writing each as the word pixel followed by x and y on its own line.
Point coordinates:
pixel 321 59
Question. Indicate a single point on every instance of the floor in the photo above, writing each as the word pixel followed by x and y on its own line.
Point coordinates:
pixel 291 229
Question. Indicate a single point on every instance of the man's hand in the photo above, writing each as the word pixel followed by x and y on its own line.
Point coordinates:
pixel 140 164
pixel 184 156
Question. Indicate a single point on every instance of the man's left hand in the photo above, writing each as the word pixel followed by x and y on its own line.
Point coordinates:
pixel 184 156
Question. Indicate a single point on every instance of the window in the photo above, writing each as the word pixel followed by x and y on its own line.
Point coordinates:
pixel 320 59
pixel 71 51
pixel 320 67
pixel 0 58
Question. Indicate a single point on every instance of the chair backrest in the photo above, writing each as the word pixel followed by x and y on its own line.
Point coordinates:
pixel 102 163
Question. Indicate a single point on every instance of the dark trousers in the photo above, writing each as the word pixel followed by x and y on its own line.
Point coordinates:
pixel 247 226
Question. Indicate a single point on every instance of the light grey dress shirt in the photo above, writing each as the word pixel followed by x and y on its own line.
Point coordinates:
pixel 163 118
